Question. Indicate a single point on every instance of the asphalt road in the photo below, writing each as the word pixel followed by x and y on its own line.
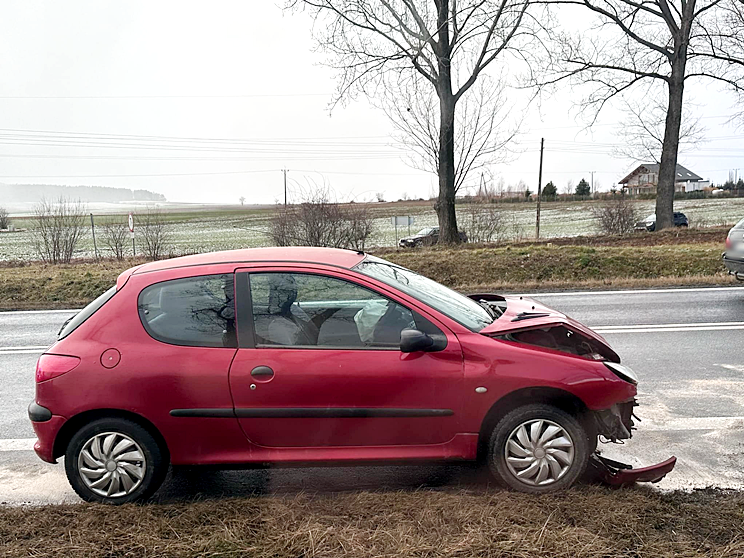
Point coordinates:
pixel 686 345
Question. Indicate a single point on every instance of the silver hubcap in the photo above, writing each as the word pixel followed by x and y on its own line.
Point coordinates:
pixel 539 452
pixel 112 464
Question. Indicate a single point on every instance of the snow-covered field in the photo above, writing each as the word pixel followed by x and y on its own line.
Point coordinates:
pixel 206 229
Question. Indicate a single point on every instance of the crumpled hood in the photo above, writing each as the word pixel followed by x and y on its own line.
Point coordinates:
pixel 524 313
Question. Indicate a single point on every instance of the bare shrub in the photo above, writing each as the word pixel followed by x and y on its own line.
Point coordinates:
pixel 320 222
pixel 485 223
pixel 155 233
pixel 616 216
pixel 114 236
pixel 58 228
pixel 515 228
pixel 4 218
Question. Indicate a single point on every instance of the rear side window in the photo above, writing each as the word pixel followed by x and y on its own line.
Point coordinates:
pixel 73 323
pixel 195 311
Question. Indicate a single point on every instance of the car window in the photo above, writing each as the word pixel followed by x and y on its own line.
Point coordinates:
pixel 306 310
pixel 739 225
pixel 450 303
pixel 73 323
pixel 195 311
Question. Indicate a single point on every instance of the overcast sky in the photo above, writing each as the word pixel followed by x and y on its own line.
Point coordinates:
pixel 78 79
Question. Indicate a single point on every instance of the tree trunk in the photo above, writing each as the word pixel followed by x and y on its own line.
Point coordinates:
pixel 668 167
pixel 446 161
pixel 446 202
pixel 670 147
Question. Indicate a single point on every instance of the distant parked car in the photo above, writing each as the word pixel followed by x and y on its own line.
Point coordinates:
pixel 649 223
pixel 733 257
pixel 425 237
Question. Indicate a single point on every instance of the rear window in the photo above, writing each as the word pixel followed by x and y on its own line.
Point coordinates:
pixel 73 323
pixel 195 311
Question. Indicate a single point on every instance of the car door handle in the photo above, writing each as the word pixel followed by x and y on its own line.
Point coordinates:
pixel 262 372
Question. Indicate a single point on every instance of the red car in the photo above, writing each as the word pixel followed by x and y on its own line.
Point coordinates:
pixel 319 356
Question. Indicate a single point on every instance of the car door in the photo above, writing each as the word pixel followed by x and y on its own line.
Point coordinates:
pixel 323 366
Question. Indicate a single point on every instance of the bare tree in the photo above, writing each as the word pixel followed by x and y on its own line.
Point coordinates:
pixel 154 232
pixel 616 216
pixel 241 199
pixel 667 42
pixel 446 44
pixel 4 218
pixel 58 228
pixel 485 223
pixel 114 236
pixel 643 129
pixel 319 221
pixel 484 124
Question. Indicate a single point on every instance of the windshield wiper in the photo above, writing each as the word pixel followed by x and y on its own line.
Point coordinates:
pixel 491 311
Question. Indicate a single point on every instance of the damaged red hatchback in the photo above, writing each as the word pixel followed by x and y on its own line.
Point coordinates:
pixel 322 356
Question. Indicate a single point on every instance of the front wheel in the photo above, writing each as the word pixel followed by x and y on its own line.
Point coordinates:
pixel 538 448
pixel 114 461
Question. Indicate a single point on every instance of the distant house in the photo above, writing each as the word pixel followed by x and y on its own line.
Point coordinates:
pixel 645 178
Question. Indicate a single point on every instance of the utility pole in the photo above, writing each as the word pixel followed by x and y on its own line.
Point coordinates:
pixel 539 191
pixel 592 173
pixel 93 230
pixel 285 187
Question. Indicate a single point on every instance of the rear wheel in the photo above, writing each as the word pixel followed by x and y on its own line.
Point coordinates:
pixel 538 448
pixel 114 461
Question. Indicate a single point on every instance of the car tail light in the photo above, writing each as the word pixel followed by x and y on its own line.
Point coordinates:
pixel 728 242
pixel 51 366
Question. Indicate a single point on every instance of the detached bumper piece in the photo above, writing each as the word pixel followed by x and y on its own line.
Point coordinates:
pixel 619 474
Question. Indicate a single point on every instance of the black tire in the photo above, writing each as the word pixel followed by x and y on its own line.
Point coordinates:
pixel 508 425
pixel 155 464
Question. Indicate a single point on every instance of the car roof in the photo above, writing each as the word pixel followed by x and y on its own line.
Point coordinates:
pixel 305 254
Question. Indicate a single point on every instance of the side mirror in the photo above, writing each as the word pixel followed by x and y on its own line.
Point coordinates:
pixel 413 340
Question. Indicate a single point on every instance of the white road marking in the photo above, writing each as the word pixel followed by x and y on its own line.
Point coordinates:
pixel 640 291
pixel 652 329
pixel 68 311
pixel 23 352
pixel 691 423
pixel 689 324
pixel 18 444
pixel 21 347
pixel 734 367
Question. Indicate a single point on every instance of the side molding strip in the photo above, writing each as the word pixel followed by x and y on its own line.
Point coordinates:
pixel 312 412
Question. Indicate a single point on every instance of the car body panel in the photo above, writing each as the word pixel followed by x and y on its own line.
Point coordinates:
pixel 153 379
pixel 405 398
pixel 522 313
pixel 733 257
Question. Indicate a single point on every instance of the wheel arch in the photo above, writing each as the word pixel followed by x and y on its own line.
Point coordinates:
pixel 561 399
pixel 72 425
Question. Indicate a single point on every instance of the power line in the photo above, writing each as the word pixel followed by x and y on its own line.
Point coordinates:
pixel 90 97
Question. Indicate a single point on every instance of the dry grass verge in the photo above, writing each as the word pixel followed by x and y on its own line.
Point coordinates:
pixel 540 266
pixel 589 522
pixel 470 268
